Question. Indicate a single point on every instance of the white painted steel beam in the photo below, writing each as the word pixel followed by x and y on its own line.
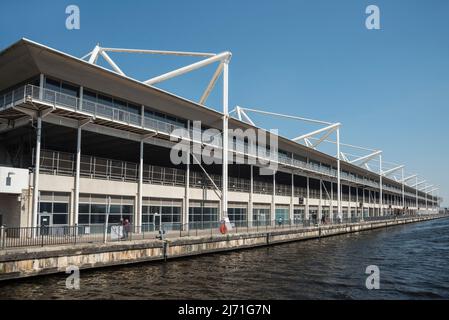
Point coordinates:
pixel 409 178
pixel 338 175
pixel 111 62
pixel 94 54
pixel 390 171
pixel 418 184
pixel 224 198
pixel 381 210
pixel 286 116
pixel 365 159
pixel 194 66
pixel 332 127
pixel 37 162
pixel 327 134
pixel 209 59
pixel 162 52
pixel 423 189
pixel 248 119
pixel 211 84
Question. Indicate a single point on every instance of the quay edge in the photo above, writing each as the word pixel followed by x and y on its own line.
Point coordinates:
pixel 35 261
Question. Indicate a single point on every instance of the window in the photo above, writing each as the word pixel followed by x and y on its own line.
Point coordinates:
pixel 203 214
pixel 105 100
pixel 261 215
pixel 52 85
pixel 93 209
pixel 83 219
pixel 89 95
pixel 62 87
pixel 60 208
pixel 69 89
pixel 282 214
pixel 60 219
pixel 166 211
pixel 298 214
pixel 55 205
pixel 46 207
pixel 237 214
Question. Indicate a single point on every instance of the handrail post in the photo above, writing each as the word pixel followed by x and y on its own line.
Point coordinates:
pixel 2 236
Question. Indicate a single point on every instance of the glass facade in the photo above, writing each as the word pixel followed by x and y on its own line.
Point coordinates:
pixel 165 118
pixel 313 214
pixel 91 97
pixel 157 212
pixel 298 214
pixel 261 215
pixel 345 212
pixel 61 87
pixel 282 214
pixel 335 214
pixel 326 213
pixel 203 214
pixel 237 213
pixel 53 209
pixel 93 209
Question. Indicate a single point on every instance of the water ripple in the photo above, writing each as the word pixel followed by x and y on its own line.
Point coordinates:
pixel 413 261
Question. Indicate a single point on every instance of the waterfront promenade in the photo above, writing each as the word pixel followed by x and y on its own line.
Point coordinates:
pixel 28 261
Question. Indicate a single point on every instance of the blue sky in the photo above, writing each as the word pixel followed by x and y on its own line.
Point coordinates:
pixel 389 88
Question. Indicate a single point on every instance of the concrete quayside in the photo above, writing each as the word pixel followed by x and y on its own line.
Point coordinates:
pixel 33 261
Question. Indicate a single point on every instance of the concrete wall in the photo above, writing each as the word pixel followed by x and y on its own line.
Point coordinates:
pixel 10 209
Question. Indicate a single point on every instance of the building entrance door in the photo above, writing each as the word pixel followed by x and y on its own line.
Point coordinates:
pixel 44 224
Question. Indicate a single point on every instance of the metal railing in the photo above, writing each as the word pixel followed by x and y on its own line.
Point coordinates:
pixel 63 163
pixel 111 113
pixel 11 237
pixel 24 93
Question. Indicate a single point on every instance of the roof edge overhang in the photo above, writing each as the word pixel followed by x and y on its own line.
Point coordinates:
pixel 216 116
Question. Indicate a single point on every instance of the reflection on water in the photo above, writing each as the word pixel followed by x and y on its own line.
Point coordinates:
pixel 413 261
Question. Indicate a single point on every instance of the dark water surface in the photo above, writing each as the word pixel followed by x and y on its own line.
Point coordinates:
pixel 413 262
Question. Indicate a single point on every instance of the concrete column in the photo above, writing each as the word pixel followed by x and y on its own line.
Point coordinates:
pixel 416 191
pixel 427 207
pixel 363 202
pixel 307 201
pixel 185 215
pixel 81 98
pixel 273 201
pixel 77 177
pixel 331 207
pixel 251 191
pixel 320 204
pixel 381 209
pixel 41 86
pixel 225 141
pixel 138 220
pixel 37 162
pixel 349 201
pixel 338 174
pixel 291 199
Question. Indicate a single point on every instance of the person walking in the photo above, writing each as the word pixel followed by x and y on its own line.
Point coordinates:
pixel 126 229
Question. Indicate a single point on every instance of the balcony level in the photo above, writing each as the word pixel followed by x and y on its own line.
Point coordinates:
pixel 28 100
